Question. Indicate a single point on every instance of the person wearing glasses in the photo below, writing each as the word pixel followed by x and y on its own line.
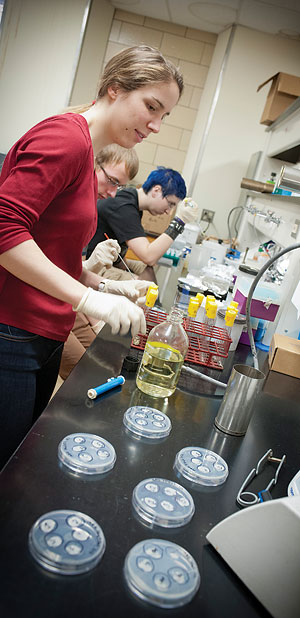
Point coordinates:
pixel 120 217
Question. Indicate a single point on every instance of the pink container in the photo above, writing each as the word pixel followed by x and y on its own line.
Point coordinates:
pixel 259 309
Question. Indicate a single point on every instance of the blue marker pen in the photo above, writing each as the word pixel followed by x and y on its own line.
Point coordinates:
pixel 107 386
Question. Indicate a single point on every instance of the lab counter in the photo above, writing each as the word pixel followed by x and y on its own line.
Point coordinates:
pixel 34 483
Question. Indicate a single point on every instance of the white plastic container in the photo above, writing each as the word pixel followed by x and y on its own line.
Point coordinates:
pixel 200 255
pixel 190 233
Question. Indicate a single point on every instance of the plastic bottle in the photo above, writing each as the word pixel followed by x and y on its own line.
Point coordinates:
pixel 182 297
pixel 272 178
pixel 164 353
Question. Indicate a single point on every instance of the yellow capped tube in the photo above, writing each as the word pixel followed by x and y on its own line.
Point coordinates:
pixel 209 299
pixel 230 317
pixel 211 310
pixel 153 286
pixel 199 298
pixel 193 307
pixel 151 296
pixel 234 304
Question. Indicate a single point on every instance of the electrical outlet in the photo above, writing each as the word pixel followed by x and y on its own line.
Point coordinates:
pixel 295 228
pixel 207 215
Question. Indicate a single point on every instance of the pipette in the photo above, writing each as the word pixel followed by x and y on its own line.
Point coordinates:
pixel 123 261
pixel 107 386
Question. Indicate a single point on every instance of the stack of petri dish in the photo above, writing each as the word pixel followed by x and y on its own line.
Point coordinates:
pixel 146 422
pixel 201 466
pixel 66 542
pixel 85 453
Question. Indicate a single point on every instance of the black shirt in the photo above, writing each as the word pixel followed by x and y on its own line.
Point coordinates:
pixel 120 218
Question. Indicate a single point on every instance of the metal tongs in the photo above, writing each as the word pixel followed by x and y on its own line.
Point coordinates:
pixel 248 498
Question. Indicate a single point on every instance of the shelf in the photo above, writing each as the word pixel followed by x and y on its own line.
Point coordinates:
pixel 271 197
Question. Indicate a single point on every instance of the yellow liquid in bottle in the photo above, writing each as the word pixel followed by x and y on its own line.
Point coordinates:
pixel 160 369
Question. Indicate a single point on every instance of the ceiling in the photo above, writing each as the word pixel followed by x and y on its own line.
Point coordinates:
pixel 271 16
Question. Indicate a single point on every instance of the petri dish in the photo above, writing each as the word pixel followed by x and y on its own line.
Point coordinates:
pixel 161 573
pixel 146 422
pixel 163 503
pixel 201 466
pixel 86 453
pixel 66 542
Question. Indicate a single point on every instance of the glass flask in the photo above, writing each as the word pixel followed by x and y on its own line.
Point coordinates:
pixel 164 353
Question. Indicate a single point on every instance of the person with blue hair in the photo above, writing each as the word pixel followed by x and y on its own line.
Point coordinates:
pixel 170 181
pixel 120 218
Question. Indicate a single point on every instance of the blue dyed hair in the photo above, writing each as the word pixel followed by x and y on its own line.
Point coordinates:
pixel 170 181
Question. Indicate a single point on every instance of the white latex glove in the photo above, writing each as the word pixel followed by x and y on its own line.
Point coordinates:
pixel 134 289
pixel 104 254
pixel 119 312
pixel 187 210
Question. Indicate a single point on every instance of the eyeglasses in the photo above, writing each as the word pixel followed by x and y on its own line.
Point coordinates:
pixel 112 181
pixel 170 204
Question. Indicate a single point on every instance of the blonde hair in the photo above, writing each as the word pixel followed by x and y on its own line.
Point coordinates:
pixel 138 66
pixel 133 68
pixel 116 154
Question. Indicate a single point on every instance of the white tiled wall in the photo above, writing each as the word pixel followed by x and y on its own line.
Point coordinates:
pixel 189 49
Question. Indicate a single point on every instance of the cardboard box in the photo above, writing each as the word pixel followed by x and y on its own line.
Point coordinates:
pixel 284 355
pixel 286 388
pixel 156 224
pixel 284 91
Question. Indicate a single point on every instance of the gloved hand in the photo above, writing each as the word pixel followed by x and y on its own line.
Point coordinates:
pixel 104 254
pixel 119 312
pixel 134 289
pixel 187 210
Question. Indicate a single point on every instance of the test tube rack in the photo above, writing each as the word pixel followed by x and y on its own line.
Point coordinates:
pixel 207 344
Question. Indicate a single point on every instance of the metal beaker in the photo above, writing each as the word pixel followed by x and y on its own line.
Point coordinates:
pixel 237 407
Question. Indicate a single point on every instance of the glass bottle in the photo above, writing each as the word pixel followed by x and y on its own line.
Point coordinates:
pixel 164 353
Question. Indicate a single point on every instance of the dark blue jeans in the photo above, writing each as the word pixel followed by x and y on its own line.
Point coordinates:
pixel 29 367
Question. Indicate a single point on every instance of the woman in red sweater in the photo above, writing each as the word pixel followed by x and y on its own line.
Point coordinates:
pixel 48 195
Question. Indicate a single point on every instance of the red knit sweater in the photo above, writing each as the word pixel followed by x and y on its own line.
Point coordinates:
pixel 48 192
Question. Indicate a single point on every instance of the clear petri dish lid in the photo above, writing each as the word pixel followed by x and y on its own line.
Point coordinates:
pixel 163 503
pixel 201 466
pixel 161 573
pixel 86 453
pixel 66 542
pixel 147 422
